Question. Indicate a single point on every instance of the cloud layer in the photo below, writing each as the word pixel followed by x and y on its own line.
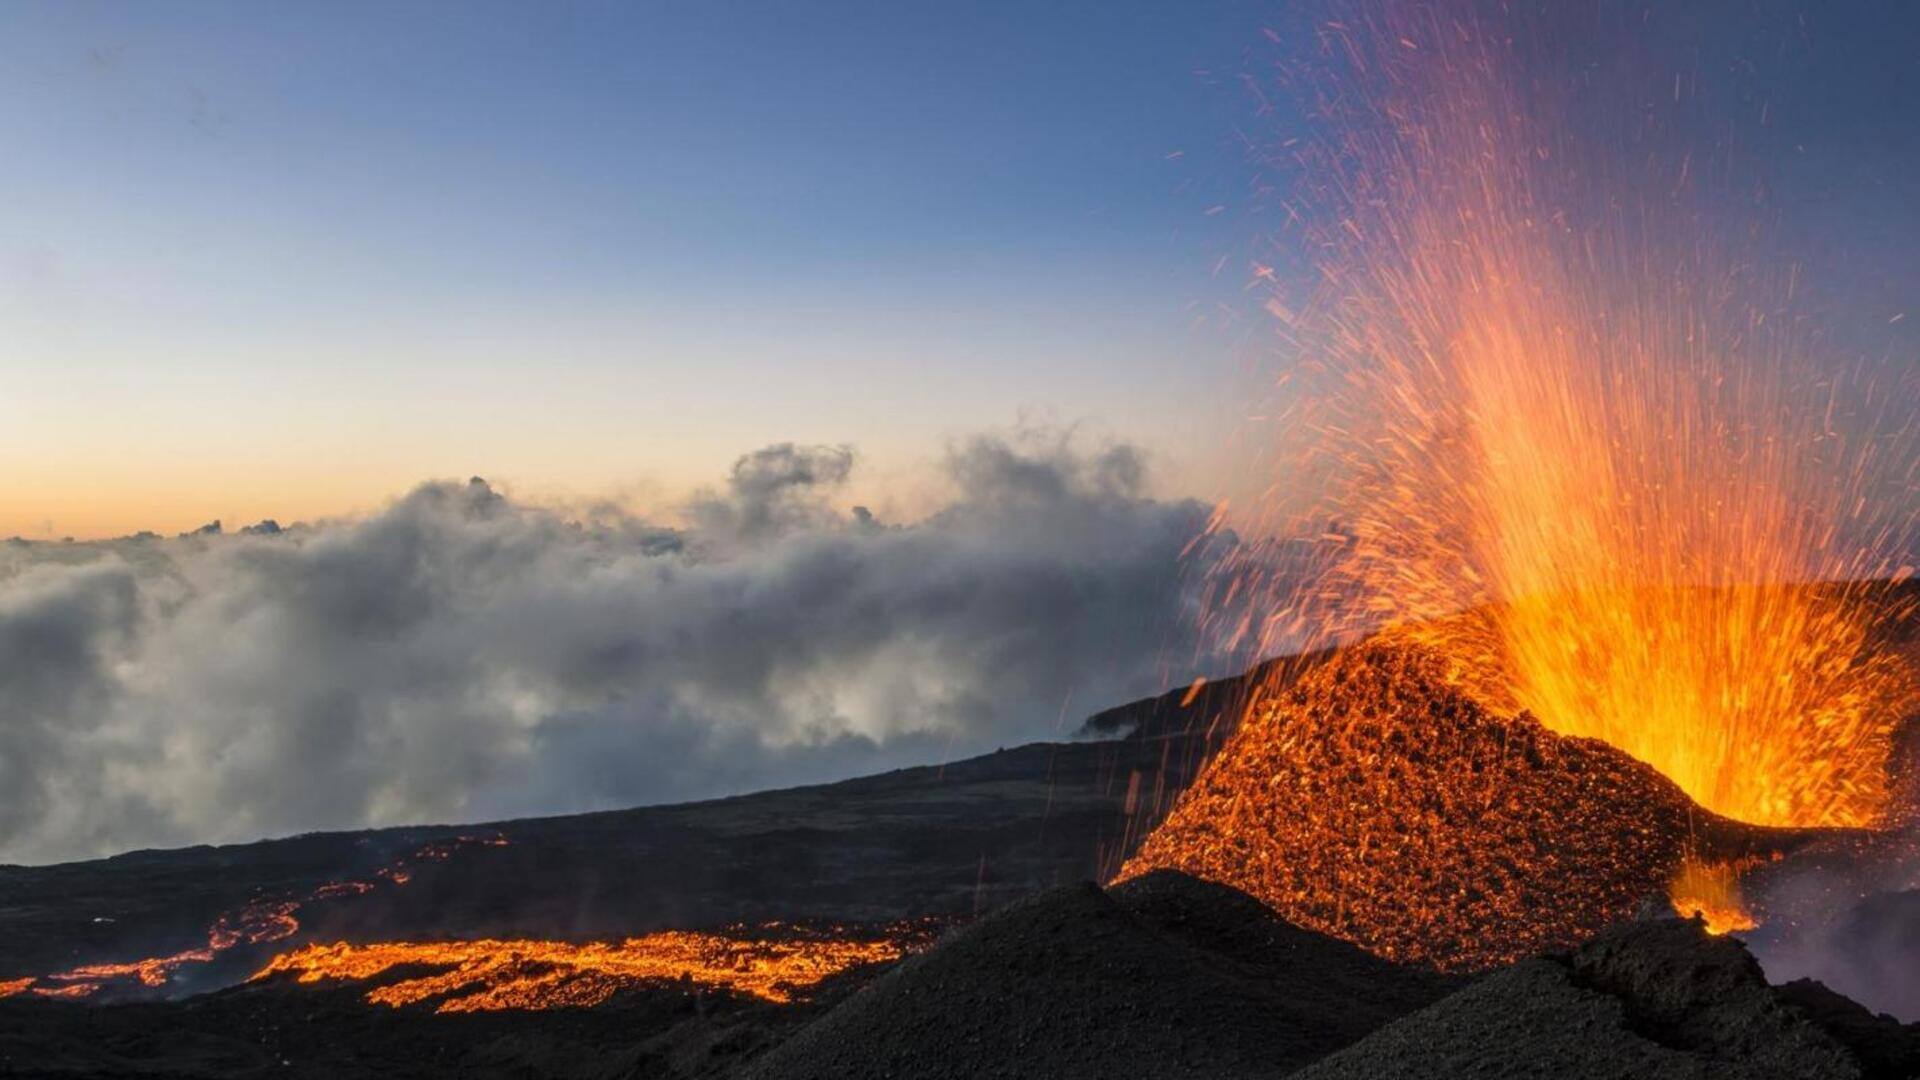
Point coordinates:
pixel 463 656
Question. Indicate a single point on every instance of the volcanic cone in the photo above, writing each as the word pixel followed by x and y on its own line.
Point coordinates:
pixel 1375 800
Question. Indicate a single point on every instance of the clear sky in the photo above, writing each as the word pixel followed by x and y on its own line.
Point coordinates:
pixel 290 259
pixel 287 260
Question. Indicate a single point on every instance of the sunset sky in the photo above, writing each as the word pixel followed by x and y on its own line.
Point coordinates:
pixel 269 261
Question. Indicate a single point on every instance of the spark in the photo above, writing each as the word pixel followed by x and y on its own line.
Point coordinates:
pixel 1532 381
pixel 1564 436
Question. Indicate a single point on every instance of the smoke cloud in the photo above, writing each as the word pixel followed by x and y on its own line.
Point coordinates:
pixel 1853 921
pixel 463 656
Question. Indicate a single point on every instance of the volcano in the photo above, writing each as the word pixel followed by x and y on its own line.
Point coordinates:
pixel 1355 862
pixel 1391 793
pixel 1330 863
pixel 1375 800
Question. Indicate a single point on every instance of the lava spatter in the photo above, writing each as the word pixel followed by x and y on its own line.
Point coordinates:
pixel 1541 363
pixel 1375 800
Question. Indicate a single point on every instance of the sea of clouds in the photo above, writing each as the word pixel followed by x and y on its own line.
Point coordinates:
pixel 461 655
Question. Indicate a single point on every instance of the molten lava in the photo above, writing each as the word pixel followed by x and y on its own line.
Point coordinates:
pixel 260 922
pixel 1374 800
pixel 1595 516
pixel 490 975
pixel 773 963
pixel 1545 373
pixel 1711 892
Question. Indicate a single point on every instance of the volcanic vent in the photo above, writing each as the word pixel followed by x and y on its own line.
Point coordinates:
pixel 1376 800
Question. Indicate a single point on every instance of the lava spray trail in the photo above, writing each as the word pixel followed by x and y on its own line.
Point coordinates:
pixel 1547 375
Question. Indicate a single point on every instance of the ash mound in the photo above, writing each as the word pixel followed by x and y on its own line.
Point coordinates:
pixel 1164 976
pixel 1169 976
pixel 1374 800
pixel 1659 1000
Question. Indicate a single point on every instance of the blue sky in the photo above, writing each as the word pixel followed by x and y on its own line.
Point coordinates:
pixel 286 260
pixel 312 253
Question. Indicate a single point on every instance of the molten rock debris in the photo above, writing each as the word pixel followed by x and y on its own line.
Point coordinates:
pixel 1375 800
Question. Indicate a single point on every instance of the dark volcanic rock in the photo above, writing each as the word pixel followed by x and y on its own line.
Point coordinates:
pixel 1886 1048
pixel 329 1032
pixel 1657 999
pixel 1330 985
pixel 1847 930
pixel 1167 977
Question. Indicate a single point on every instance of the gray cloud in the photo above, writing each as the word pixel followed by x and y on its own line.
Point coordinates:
pixel 774 490
pixel 463 656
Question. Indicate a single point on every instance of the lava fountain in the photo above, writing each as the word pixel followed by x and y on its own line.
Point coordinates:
pixel 1561 429
pixel 1547 372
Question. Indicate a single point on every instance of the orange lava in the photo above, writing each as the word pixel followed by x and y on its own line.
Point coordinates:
pixel 154 971
pixel 1711 892
pixel 68 992
pixel 1375 800
pixel 261 922
pixel 491 975
pixel 1538 378
pixel 1607 538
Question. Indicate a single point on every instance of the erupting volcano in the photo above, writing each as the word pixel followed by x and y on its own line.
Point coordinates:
pixel 1593 477
pixel 1571 576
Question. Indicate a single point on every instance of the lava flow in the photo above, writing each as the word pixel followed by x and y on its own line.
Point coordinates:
pixel 260 922
pixel 773 964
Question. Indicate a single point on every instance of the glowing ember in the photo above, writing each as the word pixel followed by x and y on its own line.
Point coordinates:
pixel 258 923
pixel 1374 800
pixel 1711 891
pixel 1536 382
pixel 491 975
